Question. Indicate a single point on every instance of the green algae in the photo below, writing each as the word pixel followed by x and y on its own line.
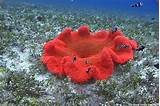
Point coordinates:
pixel 107 88
pixel 3 69
pixel 7 38
pixel 21 85
pixel 129 84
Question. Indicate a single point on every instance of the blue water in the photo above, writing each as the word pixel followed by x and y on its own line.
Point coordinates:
pixel 149 8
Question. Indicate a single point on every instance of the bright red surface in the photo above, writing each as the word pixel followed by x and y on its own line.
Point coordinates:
pixel 82 55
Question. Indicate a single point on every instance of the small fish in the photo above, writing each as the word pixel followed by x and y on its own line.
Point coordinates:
pixel 153 18
pixel 88 62
pixel 74 58
pixel 156 65
pixel 88 70
pixel 140 48
pixel 139 4
pixel 39 18
pixel 114 29
pixel 122 46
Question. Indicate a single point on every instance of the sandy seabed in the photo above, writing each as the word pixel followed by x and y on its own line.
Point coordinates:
pixel 25 81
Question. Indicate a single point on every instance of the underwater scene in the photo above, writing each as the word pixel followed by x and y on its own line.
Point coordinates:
pixel 79 52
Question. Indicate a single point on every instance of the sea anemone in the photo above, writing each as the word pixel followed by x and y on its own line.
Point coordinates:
pixel 82 55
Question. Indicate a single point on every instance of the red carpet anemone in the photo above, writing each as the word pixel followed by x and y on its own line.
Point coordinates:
pixel 82 55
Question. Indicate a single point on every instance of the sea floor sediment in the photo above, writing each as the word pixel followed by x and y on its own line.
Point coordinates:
pixel 24 80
